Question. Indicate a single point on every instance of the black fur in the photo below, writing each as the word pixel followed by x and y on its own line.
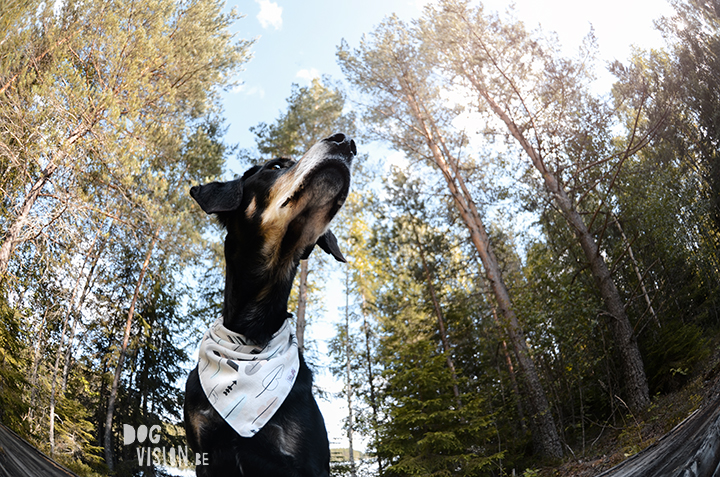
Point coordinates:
pixel 257 286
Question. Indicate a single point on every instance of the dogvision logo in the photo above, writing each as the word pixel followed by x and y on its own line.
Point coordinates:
pixel 152 454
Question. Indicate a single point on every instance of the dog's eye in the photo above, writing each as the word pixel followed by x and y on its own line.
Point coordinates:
pixel 276 166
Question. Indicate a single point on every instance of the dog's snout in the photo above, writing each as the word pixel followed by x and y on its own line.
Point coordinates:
pixel 344 143
pixel 338 138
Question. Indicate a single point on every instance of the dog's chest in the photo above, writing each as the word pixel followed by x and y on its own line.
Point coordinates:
pixel 286 437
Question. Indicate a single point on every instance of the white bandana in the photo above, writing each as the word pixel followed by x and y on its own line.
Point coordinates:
pixel 244 382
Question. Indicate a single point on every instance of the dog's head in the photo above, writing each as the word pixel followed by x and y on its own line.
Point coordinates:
pixel 282 209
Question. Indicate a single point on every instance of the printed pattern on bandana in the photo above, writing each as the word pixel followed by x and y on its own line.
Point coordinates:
pixel 244 382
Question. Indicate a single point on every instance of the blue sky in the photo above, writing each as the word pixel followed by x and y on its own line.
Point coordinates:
pixel 297 40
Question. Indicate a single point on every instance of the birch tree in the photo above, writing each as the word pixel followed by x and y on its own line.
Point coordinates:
pixel 354 347
pixel 427 428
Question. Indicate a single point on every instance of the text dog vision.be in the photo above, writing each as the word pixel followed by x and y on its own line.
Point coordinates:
pixel 159 455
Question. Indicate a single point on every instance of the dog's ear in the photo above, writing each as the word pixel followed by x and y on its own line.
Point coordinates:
pixel 218 196
pixel 328 242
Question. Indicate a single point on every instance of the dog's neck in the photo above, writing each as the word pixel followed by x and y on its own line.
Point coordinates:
pixel 255 302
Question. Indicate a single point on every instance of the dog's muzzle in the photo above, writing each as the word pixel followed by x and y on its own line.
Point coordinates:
pixel 325 168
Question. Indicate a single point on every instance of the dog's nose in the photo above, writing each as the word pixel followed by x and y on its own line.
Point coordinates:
pixel 344 143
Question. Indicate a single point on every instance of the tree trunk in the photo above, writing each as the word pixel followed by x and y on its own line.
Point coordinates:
pixel 13 235
pixel 348 374
pixel 631 360
pixel 545 435
pixel 636 268
pixel 513 380
pixel 53 387
pixel 441 322
pixel 107 441
pixel 371 379
pixel 69 311
pixel 508 359
pixel 78 307
pixel 35 364
pixel 302 305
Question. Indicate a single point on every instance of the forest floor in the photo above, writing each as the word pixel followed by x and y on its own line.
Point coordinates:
pixel 633 434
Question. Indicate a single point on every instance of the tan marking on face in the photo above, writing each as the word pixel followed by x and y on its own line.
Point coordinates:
pixel 276 218
pixel 251 208
pixel 279 213
pixel 289 183
pixel 284 188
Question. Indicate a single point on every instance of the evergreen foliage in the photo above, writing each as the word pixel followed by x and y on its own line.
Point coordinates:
pixel 632 164
pixel 109 110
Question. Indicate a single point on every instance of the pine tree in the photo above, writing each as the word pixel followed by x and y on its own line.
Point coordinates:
pixel 395 71
pixel 532 92
pixel 96 155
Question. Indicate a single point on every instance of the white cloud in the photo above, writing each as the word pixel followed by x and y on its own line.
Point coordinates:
pixel 308 75
pixel 252 91
pixel 270 14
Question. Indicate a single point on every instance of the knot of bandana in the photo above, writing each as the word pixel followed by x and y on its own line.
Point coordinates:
pixel 244 382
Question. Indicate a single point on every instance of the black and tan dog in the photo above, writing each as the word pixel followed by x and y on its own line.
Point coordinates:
pixel 274 215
